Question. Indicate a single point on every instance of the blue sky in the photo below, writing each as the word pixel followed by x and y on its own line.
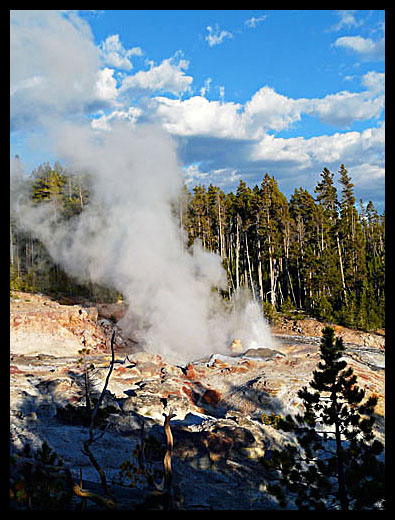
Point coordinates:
pixel 243 92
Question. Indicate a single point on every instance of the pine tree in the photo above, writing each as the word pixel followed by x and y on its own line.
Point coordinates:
pixel 198 216
pixel 327 194
pixel 244 222
pixel 335 463
pixel 303 211
pixel 351 238
pixel 330 241
pixel 216 215
pixel 48 186
pixel 323 255
pixel 269 229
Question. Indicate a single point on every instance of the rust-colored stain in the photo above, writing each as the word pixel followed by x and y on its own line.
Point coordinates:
pixel 190 372
pixel 189 393
pixel 211 397
pixel 193 397
pixel 15 370
pixel 219 364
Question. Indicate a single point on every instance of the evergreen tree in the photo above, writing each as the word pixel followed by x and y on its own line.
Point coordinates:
pixel 198 214
pixel 217 217
pixel 319 253
pixel 303 212
pixel 327 194
pixel 47 185
pixel 335 463
pixel 330 280
pixel 269 229
pixel 244 221
pixel 351 237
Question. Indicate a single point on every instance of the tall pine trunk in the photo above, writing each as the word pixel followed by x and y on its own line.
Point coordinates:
pixel 260 281
pixel 11 246
pixel 341 268
pixel 249 267
pixel 237 252
pixel 272 281
pixel 342 493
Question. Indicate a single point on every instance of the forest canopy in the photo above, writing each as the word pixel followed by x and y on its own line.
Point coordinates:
pixel 319 255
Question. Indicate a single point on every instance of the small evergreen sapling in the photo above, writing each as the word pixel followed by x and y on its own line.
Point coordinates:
pixel 336 464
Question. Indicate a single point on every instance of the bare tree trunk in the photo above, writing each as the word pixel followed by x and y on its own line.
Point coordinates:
pixel 161 493
pixel 237 251
pixel 272 277
pixel 221 238
pixel 290 282
pixel 341 267
pixel 81 197
pixel 344 503
pixel 11 246
pixel 249 268
pixel 92 438
pixel 299 283
pixel 260 271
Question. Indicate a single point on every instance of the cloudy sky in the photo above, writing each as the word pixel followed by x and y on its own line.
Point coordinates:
pixel 243 92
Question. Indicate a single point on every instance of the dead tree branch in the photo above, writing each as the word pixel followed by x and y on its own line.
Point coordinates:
pixel 92 438
pixel 95 497
pixel 164 487
pixel 168 476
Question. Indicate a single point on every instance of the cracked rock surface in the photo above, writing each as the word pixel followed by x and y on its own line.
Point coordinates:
pixel 219 403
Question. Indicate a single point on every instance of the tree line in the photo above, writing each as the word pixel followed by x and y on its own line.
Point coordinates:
pixel 318 254
pixel 314 254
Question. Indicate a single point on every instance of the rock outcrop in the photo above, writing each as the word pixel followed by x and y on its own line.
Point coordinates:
pixel 222 404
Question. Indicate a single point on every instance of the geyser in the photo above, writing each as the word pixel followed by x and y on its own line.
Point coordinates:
pixel 129 239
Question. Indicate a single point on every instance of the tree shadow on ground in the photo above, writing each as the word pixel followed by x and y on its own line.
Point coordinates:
pixel 208 477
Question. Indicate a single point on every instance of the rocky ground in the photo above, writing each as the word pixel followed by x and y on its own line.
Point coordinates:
pixel 222 404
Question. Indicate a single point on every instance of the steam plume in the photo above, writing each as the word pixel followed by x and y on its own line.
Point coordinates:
pixel 129 239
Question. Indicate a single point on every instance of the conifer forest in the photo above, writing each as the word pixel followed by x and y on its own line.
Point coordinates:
pixel 319 254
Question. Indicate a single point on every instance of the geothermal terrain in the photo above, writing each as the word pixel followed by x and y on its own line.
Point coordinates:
pixel 224 404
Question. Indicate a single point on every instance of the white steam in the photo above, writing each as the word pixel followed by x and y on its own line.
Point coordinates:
pixel 129 239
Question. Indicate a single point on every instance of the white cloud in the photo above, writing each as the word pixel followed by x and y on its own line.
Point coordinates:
pixel 56 68
pixel 169 77
pixel 198 116
pixel 343 108
pixel 206 87
pixel 374 82
pixel 298 161
pixel 224 142
pixel 369 178
pixel 192 174
pixel 106 86
pixel 365 47
pixel 105 121
pixel 215 36
pixel 349 147
pixel 221 177
pixel 278 150
pixel 347 18
pixel 53 65
pixel 253 22
pixel 268 110
pixel 115 55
